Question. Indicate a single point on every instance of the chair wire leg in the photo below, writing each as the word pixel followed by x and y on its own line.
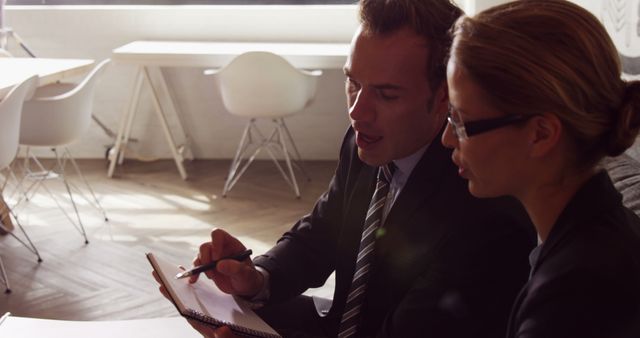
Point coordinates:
pixel 274 141
pixel 86 183
pixel 19 182
pixel 28 244
pixel 18 186
pixel 251 158
pixel 60 207
pixel 237 159
pixel 38 180
pixel 300 162
pixel 296 190
pixel 66 185
pixel 5 279
pixel 277 139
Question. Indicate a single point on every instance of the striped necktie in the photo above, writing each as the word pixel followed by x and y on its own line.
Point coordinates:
pixel 351 315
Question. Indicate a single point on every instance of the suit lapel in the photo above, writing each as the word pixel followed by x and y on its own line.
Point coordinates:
pixel 423 182
pixel 357 205
pixel 515 311
pixel 361 194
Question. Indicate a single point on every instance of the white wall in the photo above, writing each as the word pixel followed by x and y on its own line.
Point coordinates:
pixel 92 32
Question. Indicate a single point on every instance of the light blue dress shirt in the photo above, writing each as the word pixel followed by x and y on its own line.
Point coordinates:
pixel 404 167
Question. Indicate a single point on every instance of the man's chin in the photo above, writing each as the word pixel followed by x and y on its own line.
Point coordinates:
pixel 371 158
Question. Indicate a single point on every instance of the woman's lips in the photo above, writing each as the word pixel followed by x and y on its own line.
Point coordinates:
pixel 364 141
pixel 461 170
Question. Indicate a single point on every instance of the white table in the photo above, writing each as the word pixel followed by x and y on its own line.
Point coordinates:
pixel 21 327
pixel 15 70
pixel 149 56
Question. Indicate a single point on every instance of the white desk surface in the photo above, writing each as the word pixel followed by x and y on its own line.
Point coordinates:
pixel 19 327
pixel 16 70
pixel 218 54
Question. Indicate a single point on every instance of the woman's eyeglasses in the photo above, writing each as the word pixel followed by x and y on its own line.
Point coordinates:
pixel 465 130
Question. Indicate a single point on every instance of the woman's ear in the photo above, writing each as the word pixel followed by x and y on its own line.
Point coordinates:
pixel 545 133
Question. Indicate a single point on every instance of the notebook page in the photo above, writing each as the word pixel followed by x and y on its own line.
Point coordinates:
pixel 206 298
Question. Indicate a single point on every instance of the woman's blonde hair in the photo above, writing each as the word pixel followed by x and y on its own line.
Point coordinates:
pixel 552 56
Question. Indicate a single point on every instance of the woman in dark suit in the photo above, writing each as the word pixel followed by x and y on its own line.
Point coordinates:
pixel 536 102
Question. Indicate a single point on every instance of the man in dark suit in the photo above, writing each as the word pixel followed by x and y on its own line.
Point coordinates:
pixel 437 262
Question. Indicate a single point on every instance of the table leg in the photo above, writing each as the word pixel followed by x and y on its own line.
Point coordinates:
pixel 132 113
pixel 165 126
pixel 115 152
pixel 185 149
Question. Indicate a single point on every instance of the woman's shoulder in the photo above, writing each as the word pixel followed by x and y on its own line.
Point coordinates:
pixel 605 251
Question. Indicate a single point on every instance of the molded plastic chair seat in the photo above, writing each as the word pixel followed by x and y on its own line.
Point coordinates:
pixel 10 113
pixel 264 85
pixel 57 115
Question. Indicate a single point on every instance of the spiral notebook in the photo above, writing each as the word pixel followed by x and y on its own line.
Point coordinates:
pixel 204 302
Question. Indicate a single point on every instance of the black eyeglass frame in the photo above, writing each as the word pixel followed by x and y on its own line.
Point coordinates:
pixel 465 130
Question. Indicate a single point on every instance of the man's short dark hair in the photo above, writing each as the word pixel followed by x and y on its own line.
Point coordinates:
pixel 431 19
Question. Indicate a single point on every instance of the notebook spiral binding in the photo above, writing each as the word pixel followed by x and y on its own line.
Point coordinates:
pixel 197 315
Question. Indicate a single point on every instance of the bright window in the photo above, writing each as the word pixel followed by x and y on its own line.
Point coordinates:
pixel 179 2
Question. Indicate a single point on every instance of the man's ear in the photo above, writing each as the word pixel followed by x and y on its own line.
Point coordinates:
pixel 545 133
pixel 440 99
pixel 444 91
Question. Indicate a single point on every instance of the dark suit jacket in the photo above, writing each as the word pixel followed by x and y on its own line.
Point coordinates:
pixel 586 279
pixel 448 265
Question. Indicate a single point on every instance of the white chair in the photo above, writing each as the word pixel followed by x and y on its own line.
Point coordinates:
pixel 264 85
pixel 56 116
pixel 10 112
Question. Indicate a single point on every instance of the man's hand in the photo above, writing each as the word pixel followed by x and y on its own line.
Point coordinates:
pixel 231 276
pixel 205 330
pixel 209 332
pixel 162 289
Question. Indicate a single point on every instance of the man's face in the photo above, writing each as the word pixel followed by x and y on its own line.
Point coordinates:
pixel 389 96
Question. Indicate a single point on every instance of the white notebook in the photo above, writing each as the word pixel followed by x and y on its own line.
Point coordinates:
pixel 204 302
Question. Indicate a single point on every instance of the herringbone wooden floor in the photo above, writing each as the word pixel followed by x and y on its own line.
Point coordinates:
pixel 150 209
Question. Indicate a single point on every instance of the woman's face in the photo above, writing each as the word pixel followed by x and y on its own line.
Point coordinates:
pixel 494 159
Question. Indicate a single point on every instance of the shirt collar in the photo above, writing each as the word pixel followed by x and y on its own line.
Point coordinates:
pixel 404 166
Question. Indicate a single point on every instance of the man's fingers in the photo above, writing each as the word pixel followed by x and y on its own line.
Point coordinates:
pixel 205 330
pixel 205 253
pixel 224 244
pixel 230 267
pixel 219 241
pixel 156 277
pixel 196 262
pixel 164 292
pixel 243 278
pixel 224 332
pixel 161 288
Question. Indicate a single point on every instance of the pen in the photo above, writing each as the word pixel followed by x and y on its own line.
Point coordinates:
pixel 201 268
